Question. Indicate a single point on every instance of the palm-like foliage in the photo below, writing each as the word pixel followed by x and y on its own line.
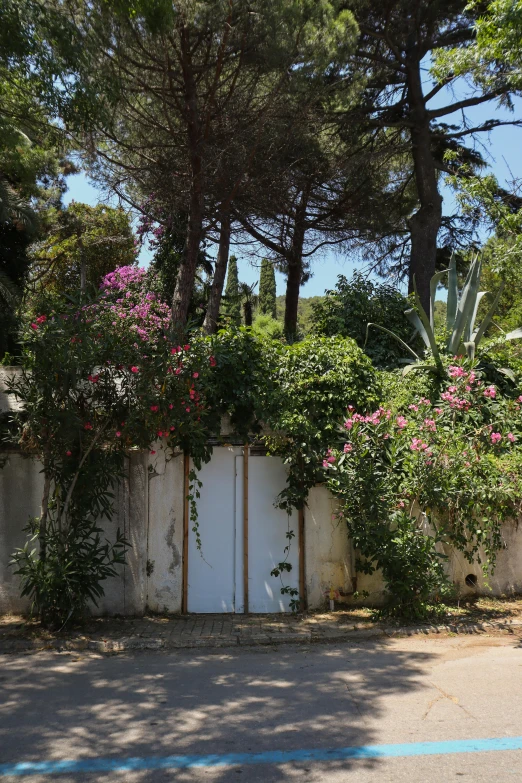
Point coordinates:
pixel 14 209
pixel 463 336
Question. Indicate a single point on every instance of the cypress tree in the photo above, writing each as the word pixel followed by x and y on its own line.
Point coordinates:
pixel 267 289
pixel 232 303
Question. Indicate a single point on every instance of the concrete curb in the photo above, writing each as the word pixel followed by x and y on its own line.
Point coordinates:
pixel 306 636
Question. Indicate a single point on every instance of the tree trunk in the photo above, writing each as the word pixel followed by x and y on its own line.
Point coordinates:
pixel 294 273
pixel 189 262
pixel 293 286
pixel 248 312
pixel 220 271
pixel 425 223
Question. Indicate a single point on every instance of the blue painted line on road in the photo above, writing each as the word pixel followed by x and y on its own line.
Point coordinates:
pixel 148 763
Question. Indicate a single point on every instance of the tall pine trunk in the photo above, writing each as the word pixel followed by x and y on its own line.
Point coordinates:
pixel 294 269
pixel 189 262
pixel 220 271
pixel 424 225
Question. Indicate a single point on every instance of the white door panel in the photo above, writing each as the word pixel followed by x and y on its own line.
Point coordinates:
pixel 211 572
pixel 267 528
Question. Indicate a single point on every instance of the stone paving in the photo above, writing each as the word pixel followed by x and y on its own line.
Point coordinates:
pixel 113 635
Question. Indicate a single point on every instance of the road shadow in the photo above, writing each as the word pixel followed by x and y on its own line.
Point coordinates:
pixel 55 706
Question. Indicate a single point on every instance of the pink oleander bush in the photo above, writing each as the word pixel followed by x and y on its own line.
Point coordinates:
pixel 100 377
pixel 443 472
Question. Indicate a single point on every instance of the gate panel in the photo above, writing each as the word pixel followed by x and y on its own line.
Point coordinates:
pixel 212 572
pixel 267 528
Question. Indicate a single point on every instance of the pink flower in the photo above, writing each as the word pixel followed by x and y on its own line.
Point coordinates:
pixel 118 434
pixel 186 347
pixel 418 445
pixel 348 424
pixel 456 372
pixel 188 410
pixel 347 448
pixel 511 437
pixel 170 406
pixel 41 319
pixel 401 422
pixel 496 437
pixel 34 326
pixel 160 434
pixel 413 407
pixel 212 361
pixel 491 392
pixel 172 429
pixel 87 426
pixel 438 411
pixel 452 389
pixel 178 371
pixel 68 453
pixel 430 425
pixel 195 374
pixel 173 350
pixel 401 504
pixel 134 369
pixel 152 452
pixel 154 408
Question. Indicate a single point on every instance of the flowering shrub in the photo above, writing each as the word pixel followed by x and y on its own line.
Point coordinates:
pixel 441 472
pixel 100 377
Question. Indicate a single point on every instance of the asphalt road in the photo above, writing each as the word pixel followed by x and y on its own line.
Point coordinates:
pixel 268 714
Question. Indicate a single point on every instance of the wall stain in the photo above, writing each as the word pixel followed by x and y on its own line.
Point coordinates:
pixel 169 539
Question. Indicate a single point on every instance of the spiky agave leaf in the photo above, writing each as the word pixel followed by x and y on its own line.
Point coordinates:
pixel 427 327
pixel 466 305
pixel 434 282
pixel 392 334
pixel 478 335
pixel 453 294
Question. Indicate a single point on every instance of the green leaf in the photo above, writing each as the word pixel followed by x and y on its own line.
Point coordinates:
pixel 466 305
pixel 427 327
pixel 388 331
pixel 453 294
pixel 487 320
pixel 435 280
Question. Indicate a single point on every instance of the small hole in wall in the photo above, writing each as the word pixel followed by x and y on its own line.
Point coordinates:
pixel 471 580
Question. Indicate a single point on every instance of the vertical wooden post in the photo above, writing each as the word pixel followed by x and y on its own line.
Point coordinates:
pixel 301 544
pixel 186 514
pixel 245 526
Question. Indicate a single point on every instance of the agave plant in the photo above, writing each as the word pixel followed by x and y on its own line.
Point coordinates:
pixel 460 318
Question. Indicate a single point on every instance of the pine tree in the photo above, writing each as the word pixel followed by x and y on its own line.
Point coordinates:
pixel 232 301
pixel 267 289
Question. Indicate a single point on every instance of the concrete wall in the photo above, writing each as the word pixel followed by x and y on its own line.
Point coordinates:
pixel 149 510
pixel 21 485
pixel 165 532
pixel 328 551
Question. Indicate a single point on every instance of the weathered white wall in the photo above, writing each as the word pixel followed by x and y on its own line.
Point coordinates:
pixel 165 532
pixel 328 551
pixel 21 485
pixel 149 510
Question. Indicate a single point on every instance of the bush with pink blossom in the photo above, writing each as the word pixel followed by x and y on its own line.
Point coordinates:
pixel 446 471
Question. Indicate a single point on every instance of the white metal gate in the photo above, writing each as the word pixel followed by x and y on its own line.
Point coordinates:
pixel 215 577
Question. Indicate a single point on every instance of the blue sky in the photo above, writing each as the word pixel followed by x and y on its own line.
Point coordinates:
pixel 502 148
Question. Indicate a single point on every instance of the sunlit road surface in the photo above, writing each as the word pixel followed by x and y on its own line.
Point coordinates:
pixel 416 709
